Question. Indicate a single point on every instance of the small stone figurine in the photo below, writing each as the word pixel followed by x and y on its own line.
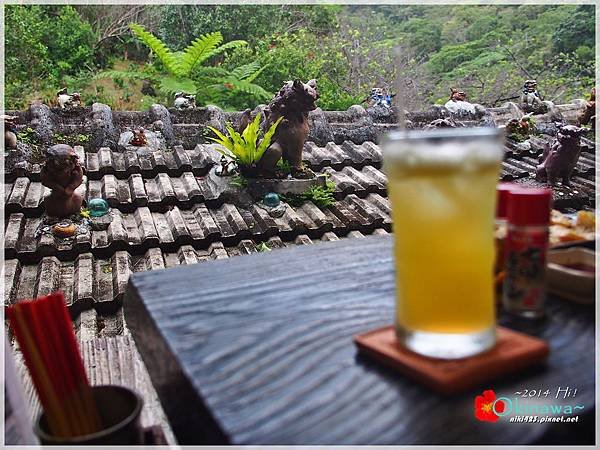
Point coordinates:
pixel 226 167
pixel 589 115
pixel 531 100
pixel 293 101
pixel 139 138
pixel 68 101
pixel 184 101
pixel 10 131
pixel 519 129
pixel 380 97
pixel 458 104
pixel 560 158
pixel 440 123
pixel 62 173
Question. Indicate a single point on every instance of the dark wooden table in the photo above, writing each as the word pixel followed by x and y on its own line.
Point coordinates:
pixel 258 349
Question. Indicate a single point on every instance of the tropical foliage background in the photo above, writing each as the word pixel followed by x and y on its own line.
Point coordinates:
pixel 237 56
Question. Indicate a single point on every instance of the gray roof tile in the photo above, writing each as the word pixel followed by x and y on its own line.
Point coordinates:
pixel 165 213
pixel 99 282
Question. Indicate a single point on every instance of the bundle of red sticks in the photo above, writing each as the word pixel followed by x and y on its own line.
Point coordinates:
pixel 44 332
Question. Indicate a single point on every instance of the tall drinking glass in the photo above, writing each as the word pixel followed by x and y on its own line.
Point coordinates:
pixel 442 187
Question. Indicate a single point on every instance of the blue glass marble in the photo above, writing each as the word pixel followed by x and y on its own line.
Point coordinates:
pixel 97 207
pixel 271 199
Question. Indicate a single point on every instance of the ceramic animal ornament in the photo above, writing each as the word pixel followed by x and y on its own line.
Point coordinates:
pixel 184 101
pixel 62 173
pixel 138 139
pixel 519 129
pixel 66 100
pixel 560 158
pixel 380 97
pixel 293 102
pixel 458 104
pixel 226 167
pixel 589 114
pixel 531 100
pixel 10 130
pixel 440 123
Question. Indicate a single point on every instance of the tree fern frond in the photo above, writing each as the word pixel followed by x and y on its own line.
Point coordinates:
pixel 200 49
pixel 250 78
pixel 210 72
pixel 166 56
pixel 245 86
pixel 243 72
pixel 226 46
pixel 171 85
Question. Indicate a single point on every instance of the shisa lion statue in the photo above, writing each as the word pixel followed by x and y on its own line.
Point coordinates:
pixel 531 100
pixel 519 129
pixel 138 138
pixel 293 102
pixel 559 159
pixel 589 114
pixel 62 173
pixel 184 101
pixel 66 100
pixel 458 104
pixel 10 131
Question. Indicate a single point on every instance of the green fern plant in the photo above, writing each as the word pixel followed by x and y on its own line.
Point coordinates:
pixel 184 70
pixel 240 79
pixel 245 148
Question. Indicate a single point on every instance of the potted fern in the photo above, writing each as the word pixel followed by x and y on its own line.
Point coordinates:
pixel 247 148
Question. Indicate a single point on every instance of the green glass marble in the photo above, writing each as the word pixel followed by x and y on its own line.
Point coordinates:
pixel 271 199
pixel 97 207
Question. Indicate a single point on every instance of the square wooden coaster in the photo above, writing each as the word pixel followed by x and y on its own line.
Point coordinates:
pixel 513 351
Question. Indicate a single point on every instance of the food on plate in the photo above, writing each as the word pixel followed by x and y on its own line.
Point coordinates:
pixel 565 229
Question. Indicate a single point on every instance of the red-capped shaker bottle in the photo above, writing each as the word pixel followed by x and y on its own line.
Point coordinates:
pixel 525 247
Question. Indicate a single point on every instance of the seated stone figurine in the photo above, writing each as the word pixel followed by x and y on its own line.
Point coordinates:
pixel 226 167
pixel 560 158
pixel 184 101
pixel 441 123
pixel 589 114
pixel 62 173
pixel 519 129
pixel 139 137
pixel 380 97
pixel 458 103
pixel 68 101
pixel 10 131
pixel 531 100
pixel 293 101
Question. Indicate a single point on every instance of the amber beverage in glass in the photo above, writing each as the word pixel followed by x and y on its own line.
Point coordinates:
pixel 442 187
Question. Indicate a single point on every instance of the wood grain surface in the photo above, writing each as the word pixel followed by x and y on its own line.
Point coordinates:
pixel 258 350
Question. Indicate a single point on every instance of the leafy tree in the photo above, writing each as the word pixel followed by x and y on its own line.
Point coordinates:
pixel 423 35
pixel 248 22
pixel 26 54
pixel 44 44
pixel 575 30
pixel 70 40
